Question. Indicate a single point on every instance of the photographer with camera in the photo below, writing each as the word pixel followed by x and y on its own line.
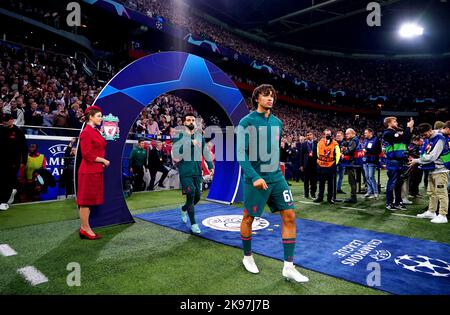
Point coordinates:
pixel 436 159
pixel 395 144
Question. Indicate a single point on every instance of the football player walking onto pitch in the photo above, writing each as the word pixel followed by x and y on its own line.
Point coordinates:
pixel 263 180
pixel 188 149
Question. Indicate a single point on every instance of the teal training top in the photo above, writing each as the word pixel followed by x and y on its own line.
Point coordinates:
pixel 138 157
pixel 193 165
pixel 258 147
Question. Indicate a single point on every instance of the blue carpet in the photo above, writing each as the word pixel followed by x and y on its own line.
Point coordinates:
pixel 407 265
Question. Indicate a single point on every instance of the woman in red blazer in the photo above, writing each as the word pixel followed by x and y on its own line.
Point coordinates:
pixel 90 172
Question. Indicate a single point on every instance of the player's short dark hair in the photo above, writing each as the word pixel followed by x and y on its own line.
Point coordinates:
pixel 424 127
pixel 190 114
pixel 140 140
pixel 447 124
pixel 369 130
pixel 263 89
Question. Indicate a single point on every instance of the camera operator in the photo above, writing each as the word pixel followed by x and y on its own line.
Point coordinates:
pixel 395 143
pixel 435 159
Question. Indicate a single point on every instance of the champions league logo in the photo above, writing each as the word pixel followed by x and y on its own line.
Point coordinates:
pixel 56 160
pixel 424 264
pixel 232 223
pixel 381 255
pixel 110 127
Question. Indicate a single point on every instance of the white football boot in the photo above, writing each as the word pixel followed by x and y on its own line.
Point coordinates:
pixel 249 264
pixel 292 274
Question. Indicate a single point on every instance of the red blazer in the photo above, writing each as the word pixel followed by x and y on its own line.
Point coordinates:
pixel 93 145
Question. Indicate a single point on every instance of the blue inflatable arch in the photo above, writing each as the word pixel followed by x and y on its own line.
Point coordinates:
pixel 136 86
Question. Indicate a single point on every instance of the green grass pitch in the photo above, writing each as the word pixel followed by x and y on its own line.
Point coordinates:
pixel 144 258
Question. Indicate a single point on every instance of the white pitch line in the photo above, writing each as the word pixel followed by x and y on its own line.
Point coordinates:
pixel 309 202
pixel 405 215
pixel 6 250
pixel 351 208
pixel 32 275
pixel 365 210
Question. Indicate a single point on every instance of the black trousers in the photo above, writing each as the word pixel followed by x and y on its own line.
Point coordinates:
pixel 296 172
pixel 153 172
pixel 310 181
pixel 68 181
pixel 326 174
pixel 351 173
pixel 8 182
pixel 415 178
pixel 138 177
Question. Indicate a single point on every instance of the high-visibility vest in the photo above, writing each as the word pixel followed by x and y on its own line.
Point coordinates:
pixel 33 163
pixel 326 155
pixel 355 159
pixel 396 151
pixel 428 146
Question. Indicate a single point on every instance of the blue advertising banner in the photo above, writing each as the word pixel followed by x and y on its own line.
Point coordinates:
pixel 53 148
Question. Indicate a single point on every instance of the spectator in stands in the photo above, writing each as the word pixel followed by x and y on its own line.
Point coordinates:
pixel 141 127
pixel 60 119
pixel 75 116
pixel 33 117
pixel 16 112
pixel 47 117
pixel 153 127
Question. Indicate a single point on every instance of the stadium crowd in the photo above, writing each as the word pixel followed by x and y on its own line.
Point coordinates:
pixel 399 80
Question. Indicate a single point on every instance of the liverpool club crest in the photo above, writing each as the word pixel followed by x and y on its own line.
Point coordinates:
pixel 110 127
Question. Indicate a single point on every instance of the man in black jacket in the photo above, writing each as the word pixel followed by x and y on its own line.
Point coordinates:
pixel 348 149
pixel 308 165
pixel 155 165
pixel 14 155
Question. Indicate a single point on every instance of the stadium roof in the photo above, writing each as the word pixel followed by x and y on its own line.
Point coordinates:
pixel 337 25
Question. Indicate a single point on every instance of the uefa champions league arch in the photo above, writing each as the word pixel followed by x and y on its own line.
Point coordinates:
pixel 136 86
